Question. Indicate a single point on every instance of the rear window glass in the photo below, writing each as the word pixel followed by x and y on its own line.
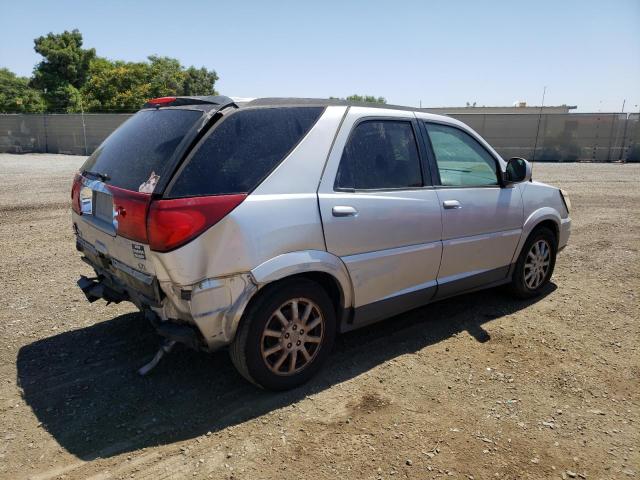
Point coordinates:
pixel 243 149
pixel 139 149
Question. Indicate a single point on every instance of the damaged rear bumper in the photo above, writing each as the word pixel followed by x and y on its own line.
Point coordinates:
pixel 95 289
pixel 204 315
pixel 214 306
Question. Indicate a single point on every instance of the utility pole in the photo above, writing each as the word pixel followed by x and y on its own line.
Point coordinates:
pixel 84 128
pixel 535 146
pixel 46 126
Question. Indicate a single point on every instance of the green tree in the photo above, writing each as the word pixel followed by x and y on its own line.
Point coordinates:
pixel 16 96
pixel 117 86
pixel 63 70
pixel 71 78
pixel 199 81
pixel 166 76
pixel 126 86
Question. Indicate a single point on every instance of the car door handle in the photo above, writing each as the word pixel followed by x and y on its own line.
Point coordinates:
pixel 451 204
pixel 344 211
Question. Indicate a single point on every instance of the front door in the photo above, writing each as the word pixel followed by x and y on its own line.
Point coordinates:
pixel 481 221
pixel 380 214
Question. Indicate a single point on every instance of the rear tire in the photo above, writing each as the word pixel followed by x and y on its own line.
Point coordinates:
pixel 535 264
pixel 285 335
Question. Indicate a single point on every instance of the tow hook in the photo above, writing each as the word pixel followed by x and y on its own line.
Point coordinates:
pixel 165 347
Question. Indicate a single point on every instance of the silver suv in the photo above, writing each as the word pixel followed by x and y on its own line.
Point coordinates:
pixel 271 225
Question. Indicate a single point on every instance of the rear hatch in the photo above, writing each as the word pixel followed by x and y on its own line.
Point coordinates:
pixel 142 191
pixel 112 193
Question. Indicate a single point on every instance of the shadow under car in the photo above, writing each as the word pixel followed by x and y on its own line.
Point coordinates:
pixel 83 386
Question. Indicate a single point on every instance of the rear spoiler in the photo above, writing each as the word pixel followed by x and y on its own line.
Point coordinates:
pixel 220 100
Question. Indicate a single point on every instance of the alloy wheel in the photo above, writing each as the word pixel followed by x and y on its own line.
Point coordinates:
pixel 537 264
pixel 292 336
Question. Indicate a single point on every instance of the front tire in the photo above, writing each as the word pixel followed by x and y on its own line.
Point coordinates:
pixel 285 335
pixel 535 264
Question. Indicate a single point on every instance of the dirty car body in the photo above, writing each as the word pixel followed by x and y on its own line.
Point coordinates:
pixel 196 210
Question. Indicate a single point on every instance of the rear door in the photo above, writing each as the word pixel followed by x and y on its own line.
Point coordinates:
pixel 481 220
pixel 380 214
pixel 118 179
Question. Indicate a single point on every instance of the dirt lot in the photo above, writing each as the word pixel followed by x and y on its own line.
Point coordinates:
pixel 480 386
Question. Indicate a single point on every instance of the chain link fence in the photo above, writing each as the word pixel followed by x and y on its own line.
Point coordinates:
pixel 595 137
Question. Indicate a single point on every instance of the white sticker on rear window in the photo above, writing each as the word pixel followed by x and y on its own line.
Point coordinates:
pixel 149 185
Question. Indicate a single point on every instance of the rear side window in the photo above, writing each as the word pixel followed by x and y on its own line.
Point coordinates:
pixel 139 149
pixel 380 154
pixel 462 161
pixel 243 149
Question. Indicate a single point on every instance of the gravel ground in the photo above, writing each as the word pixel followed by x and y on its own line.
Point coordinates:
pixel 479 386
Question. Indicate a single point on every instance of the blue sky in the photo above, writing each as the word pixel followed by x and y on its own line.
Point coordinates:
pixel 444 53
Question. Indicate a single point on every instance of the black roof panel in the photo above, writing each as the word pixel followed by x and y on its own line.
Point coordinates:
pixel 323 102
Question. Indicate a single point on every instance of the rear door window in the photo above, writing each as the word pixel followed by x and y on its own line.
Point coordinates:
pixel 137 152
pixel 242 150
pixel 380 154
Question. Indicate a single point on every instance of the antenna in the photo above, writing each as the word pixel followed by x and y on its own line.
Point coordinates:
pixel 535 146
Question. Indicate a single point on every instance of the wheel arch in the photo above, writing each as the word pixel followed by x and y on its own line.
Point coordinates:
pixel 322 267
pixel 543 217
pixel 549 224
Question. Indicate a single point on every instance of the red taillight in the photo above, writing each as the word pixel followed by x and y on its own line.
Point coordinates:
pixel 172 223
pixel 130 212
pixel 75 193
pixel 161 100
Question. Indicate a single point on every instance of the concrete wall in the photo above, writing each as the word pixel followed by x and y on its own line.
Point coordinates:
pixel 57 133
pixel 593 137
pixel 519 110
pixel 563 137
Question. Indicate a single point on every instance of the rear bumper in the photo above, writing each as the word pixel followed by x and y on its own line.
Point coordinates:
pixel 138 287
pixel 96 288
pixel 214 306
pixel 204 315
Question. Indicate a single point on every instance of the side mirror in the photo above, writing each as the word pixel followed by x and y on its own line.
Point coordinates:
pixel 518 170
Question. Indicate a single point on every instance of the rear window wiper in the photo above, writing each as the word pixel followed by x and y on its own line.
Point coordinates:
pixel 102 176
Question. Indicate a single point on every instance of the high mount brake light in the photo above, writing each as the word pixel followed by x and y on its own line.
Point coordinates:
pixel 172 223
pixel 161 100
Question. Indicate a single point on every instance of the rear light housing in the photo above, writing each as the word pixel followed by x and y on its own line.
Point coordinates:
pixel 172 223
pixel 130 213
pixel 162 224
pixel 75 193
